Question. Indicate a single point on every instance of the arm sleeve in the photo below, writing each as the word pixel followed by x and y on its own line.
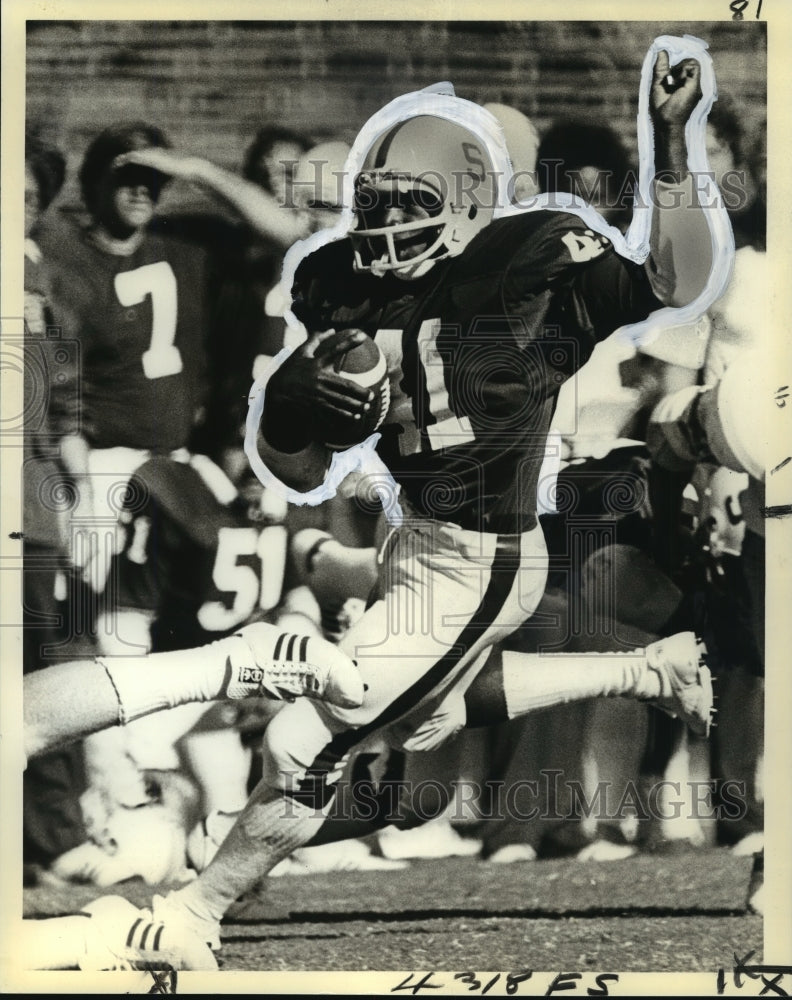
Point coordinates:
pixel 614 292
pixel 680 254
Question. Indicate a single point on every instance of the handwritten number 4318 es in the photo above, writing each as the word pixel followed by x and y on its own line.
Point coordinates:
pixel 510 982
pixel 737 7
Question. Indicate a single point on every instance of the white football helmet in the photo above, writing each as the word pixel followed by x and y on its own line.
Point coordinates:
pixel 425 188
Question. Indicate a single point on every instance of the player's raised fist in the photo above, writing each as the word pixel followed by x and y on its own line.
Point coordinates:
pixel 675 90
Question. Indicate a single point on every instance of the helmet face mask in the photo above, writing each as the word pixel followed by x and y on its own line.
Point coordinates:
pixel 426 188
pixel 399 222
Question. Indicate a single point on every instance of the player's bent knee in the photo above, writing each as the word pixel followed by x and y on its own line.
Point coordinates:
pixel 292 745
pixel 280 754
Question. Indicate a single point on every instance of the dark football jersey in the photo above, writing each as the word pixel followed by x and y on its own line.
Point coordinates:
pixel 199 568
pixel 141 325
pixel 477 351
pixel 244 267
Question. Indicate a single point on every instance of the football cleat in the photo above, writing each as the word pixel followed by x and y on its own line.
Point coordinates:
pixel 167 910
pixel 276 664
pixel 344 856
pixel 605 850
pixel 751 844
pixel 511 854
pixel 685 680
pixel 120 936
pixel 435 839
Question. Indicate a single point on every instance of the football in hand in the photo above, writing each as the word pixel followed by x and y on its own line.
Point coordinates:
pixel 364 365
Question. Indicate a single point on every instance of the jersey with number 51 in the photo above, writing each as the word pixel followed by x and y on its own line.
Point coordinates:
pixel 477 351
pixel 140 321
pixel 195 565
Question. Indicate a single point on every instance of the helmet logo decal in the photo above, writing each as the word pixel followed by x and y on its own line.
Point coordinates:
pixel 474 157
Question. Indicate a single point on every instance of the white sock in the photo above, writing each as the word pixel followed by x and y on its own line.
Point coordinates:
pixel 146 684
pixel 539 680
pixel 265 832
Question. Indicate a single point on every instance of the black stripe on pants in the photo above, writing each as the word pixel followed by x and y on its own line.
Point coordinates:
pixel 313 789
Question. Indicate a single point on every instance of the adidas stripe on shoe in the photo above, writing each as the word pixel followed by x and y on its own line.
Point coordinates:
pixel 120 936
pixel 266 661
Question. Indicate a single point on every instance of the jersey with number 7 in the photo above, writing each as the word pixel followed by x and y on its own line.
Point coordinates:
pixel 140 321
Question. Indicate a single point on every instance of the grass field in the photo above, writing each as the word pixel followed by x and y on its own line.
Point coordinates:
pixel 686 912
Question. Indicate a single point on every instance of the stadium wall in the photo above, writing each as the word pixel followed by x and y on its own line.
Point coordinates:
pixel 211 85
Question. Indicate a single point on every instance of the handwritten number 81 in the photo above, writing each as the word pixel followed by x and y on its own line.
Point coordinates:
pixel 738 6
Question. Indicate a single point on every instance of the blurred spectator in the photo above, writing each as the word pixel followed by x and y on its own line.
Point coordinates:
pixel 731 422
pixel 318 183
pixel 590 161
pixel 270 160
pixel 247 264
pixel 141 393
pixel 52 784
pixel 737 162
pixel 522 142
pixel 315 190
pixel 716 550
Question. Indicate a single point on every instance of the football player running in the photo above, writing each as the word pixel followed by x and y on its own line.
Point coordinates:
pixel 464 309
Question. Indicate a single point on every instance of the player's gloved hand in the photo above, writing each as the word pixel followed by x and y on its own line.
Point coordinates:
pixel 305 391
pixel 448 719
